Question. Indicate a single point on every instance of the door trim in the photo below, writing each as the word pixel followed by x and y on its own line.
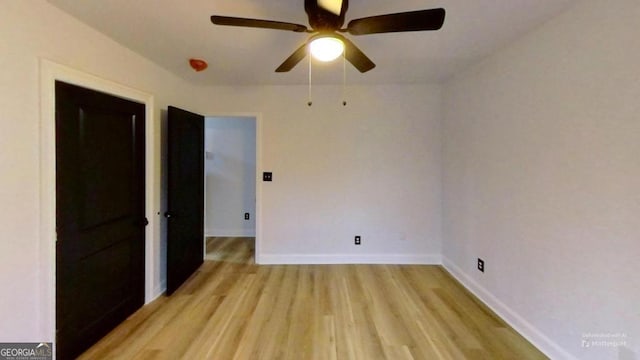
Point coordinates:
pixel 49 73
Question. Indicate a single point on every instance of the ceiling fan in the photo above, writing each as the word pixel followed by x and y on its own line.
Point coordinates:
pixel 326 18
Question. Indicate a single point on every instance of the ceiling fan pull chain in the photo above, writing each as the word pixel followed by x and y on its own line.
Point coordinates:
pixel 309 103
pixel 344 77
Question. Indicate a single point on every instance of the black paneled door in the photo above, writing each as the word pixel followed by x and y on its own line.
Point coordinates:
pixel 100 219
pixel 185 214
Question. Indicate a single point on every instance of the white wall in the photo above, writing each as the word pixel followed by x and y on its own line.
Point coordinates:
pixel 541 180
pixel 371 168
pixel 32 30
pixel 230 176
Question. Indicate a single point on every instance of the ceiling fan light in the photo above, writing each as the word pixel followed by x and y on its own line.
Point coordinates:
pixel 326 48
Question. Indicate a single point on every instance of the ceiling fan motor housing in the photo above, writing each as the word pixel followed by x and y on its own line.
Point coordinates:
pixel 321 19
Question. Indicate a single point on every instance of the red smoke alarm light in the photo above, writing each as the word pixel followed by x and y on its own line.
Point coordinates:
pixel 198 64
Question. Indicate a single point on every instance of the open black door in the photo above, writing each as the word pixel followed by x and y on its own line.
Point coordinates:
pixel 185 214
pixel 100 208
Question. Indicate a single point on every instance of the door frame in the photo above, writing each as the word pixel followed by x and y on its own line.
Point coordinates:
pixel 49 73
pixel 257 118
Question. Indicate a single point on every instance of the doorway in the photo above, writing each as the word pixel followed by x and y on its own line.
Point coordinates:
pixel 230 188
pixel 51 72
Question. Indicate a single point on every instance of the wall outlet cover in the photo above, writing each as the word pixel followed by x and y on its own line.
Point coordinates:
pixel 480 265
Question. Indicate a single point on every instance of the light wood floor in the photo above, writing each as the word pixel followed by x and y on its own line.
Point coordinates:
pixel 238 310
pixel 231 249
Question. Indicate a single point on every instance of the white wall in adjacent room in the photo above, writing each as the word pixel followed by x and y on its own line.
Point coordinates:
pixel 541 179
pixel 230 176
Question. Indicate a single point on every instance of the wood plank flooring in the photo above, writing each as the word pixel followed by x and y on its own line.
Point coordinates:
pixel 234 309
pixel 231 249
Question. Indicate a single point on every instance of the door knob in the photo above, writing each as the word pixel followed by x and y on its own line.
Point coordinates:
pixel 168 215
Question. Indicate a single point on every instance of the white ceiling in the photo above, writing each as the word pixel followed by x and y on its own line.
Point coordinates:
pixel 169 32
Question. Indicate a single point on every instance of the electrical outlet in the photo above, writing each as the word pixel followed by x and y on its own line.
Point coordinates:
pixel 267 176
pixel 247 216
pixel 358 240
pixel 480 265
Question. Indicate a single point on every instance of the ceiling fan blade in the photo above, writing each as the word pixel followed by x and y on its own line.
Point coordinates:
pixel 294 59
pixel 355 56
pixel 256 23
pixel 420 20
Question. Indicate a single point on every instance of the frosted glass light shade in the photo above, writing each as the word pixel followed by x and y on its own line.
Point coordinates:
pixel 326 48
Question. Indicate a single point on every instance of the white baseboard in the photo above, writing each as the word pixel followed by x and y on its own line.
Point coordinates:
pixel 306 259
pixel 515 320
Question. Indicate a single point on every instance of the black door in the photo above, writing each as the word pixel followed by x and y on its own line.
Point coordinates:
pixel 99 215
pixel 185 214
